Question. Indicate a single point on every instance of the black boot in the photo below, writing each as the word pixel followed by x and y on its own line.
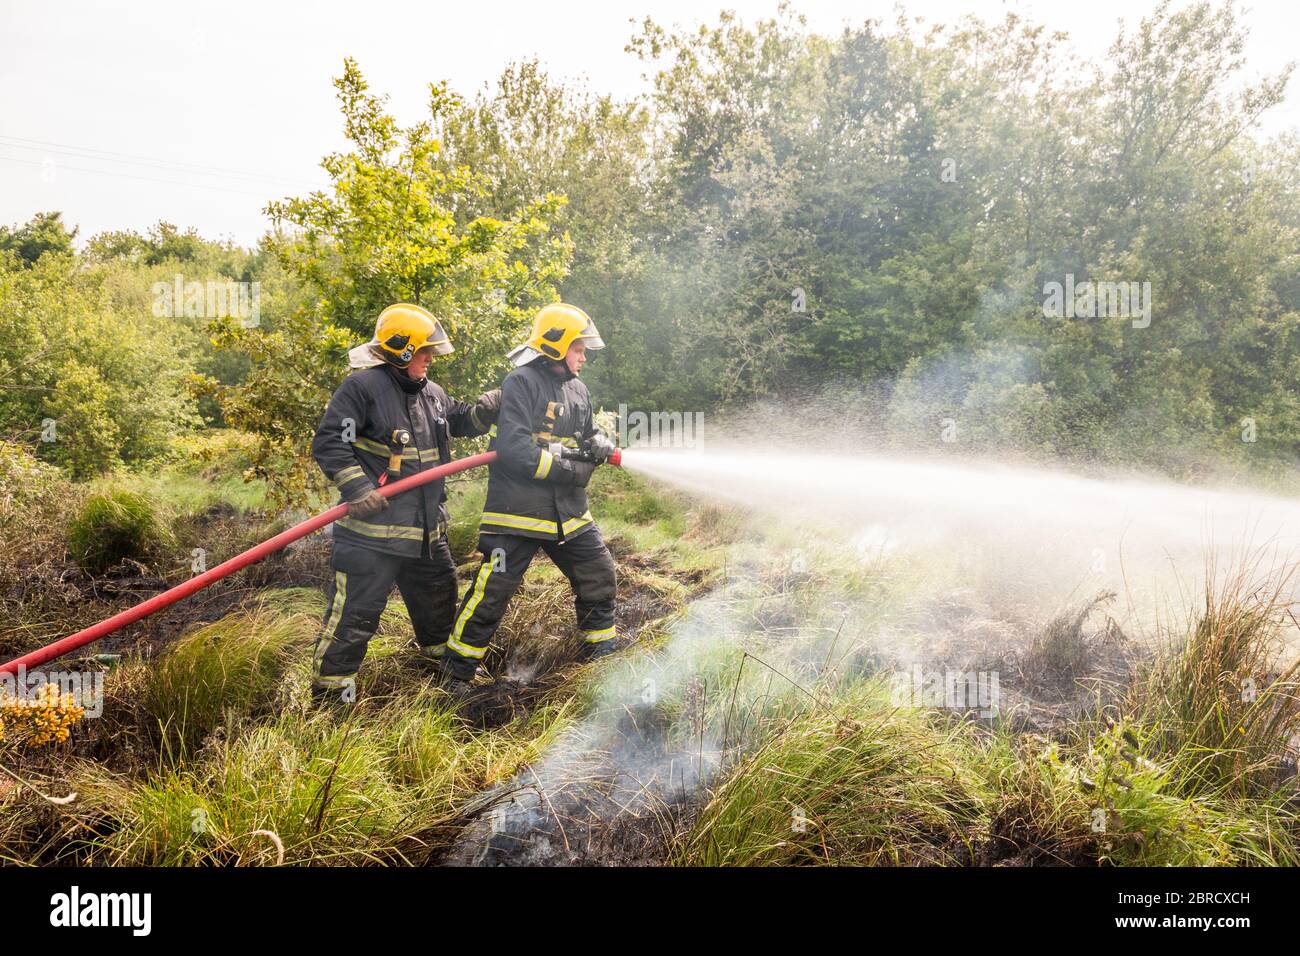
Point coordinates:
pixel 595 650
pixel 428 660
pixel 338 700
pixel 458 675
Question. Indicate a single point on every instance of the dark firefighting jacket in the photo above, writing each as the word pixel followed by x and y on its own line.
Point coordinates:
pixel 530 491
pixel 352 447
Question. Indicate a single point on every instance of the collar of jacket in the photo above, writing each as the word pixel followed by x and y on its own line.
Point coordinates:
pixel 407 384
pixel 553 366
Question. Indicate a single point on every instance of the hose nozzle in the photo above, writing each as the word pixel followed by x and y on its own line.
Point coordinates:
pixel 597 449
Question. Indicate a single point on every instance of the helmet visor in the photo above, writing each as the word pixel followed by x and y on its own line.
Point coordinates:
pixel 591 337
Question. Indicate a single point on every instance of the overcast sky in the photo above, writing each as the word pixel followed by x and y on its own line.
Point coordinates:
pixel 124 113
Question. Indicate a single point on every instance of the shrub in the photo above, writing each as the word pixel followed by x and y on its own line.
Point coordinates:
pixel 79 354
pixel 32 497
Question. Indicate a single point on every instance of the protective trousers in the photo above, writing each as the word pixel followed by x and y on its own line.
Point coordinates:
pixel 363 579
pixel 584 560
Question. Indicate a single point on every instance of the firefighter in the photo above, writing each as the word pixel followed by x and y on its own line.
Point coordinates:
pixel 537 497
pixel 385 422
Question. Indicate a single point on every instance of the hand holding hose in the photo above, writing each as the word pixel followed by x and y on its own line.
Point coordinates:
pixel 600 447
pixel 368 505
pixel 596 450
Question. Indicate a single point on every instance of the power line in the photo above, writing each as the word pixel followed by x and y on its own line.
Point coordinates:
pixel 95 154
pixel 122 175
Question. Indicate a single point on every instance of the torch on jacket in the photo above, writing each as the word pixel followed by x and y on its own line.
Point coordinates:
pixel 530 491
pixel 352 446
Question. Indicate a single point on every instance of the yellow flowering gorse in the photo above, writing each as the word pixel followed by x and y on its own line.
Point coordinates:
pixel 46 717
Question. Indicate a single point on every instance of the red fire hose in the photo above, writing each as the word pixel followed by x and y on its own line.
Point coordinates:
pixel 257 553
pixel 199 582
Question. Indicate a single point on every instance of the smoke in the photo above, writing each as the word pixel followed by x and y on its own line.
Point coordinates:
pixel 945 572
pixel 607 789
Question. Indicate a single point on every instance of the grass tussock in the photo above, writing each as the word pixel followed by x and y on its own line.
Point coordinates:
pixel 227 669
pixel 113 527
pixel 382 787
pixel 1220 707
pixel 1177 768
pixel 860 783
pixel 1064 650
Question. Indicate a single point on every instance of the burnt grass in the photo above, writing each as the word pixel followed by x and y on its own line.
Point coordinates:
pixel 591 811
pixel 527 662
pixel 528 666
pixel 59 598
pixel 588 808
pixel 619 801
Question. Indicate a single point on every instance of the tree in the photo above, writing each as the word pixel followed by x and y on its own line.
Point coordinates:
pixel 532 137
pixel 44 232
pixel 86 380
pixel 398 224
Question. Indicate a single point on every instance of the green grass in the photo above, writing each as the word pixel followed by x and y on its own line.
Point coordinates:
pixel 333 791
pixel 1218 706
pixel 224 671
pixel 636 517
pixel 238 751
pixel 198 471
pixel 858 783
pixel 465 495
pixel 114 526
pixel 1181 770
pixel 185 491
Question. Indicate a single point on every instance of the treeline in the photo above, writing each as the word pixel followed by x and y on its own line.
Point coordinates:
pixel 962 231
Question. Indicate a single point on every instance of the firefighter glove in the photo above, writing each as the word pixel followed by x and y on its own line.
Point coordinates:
pixel 368 505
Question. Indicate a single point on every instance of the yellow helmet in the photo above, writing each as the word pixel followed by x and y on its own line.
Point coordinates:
pixel 555 328
pixel 403 329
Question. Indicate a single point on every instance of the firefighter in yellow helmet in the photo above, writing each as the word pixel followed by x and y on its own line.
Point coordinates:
pixel 400 331
pixel 537 497
pixel 387 421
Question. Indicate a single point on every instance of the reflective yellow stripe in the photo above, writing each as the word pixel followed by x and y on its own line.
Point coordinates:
pixel 334 680
pixel 492 432
pixel 374 447
pixel 595 637
pixel 408 454
pixel 403 532
pixel 543 464
pixel 518 521
pixel 340 596
pixel 522 523
pixel 454 642
pixel 331 622
pixel 574 523
pixel 344 475
pixel 568 441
